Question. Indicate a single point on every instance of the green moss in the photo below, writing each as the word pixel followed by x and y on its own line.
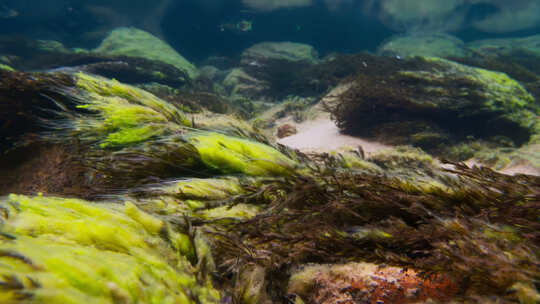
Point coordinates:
pixel 6 67
pixel 288 51
pixel 124 114
pixel 440 45
pixel 137 43
pixel 352 161
pixel 204 189
pixel 500 91
pixel 236 155
pixel 251 285
pixel 240 211
pixel 402 157
pixel 94 254
pixel 503 233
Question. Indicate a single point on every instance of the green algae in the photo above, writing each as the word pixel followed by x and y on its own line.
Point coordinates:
pixel 237 155
pixel 204 189
pixel 438 105
pixel 138 43
pixel 410 45
pixel 116 117
pixel 124 114
pixel 343 207
pixel 99 253
pixel 500 91
pixel 287 51
pixel 6 67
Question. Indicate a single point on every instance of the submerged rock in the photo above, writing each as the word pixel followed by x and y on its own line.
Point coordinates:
pixel 368 283
pixel 286 130
pixel 503 46
pixel 287 51
pixel 138 43
pixel 272 70
pixel 435 104
pixel 52 56
pixel 431 45
pixel 238 82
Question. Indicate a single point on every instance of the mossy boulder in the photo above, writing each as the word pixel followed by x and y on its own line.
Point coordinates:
pixel 506 45
pixel 435 103
pixel 238 82
pixel 432 45
pixel 138 43
pixel 288 51
pixel 271 70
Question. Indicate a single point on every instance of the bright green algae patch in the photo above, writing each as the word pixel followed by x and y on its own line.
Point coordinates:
pixel 57 250
pixel 125 114
pixel 6 67
pixel 204 198
pixel 237 155
pixel 499 91
pixel 113 116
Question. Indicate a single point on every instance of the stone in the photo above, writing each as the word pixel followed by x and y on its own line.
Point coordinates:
pixel 432 45
pixel 138 43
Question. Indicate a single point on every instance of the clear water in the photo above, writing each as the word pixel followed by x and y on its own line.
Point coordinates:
pixel 200 28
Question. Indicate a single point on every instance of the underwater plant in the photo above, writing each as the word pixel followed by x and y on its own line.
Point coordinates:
pixel 59 250
pixel 202 209
pixel 477 227
pixel 436 104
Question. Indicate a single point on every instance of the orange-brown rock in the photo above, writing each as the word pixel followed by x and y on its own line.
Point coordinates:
pixel 368 283
pixel 286 130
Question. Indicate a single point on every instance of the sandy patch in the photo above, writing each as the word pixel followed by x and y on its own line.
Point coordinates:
pixel 522 167
pixel 322 135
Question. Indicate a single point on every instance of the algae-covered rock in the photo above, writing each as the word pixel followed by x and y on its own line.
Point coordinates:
pixel 122 135
pixel 506 45
pixel 238 82
pixel 435 103
pixel 129 128
pixel 278 69
pixel 369 282
pixel 56 250
pixel 52 46
pixel 287 51
pixel 138 43
pixel 431 45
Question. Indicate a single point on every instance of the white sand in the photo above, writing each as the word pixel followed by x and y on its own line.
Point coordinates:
pixel 322 135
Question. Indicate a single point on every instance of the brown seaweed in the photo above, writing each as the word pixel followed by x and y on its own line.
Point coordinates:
pixel 480 228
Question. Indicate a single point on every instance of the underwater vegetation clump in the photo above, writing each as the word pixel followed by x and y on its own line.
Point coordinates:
pixel 521 65
pixel 474 225
pixel 133 42
pixel 129 132
pixel 201 208
pixel 59 250
pixel 436 105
